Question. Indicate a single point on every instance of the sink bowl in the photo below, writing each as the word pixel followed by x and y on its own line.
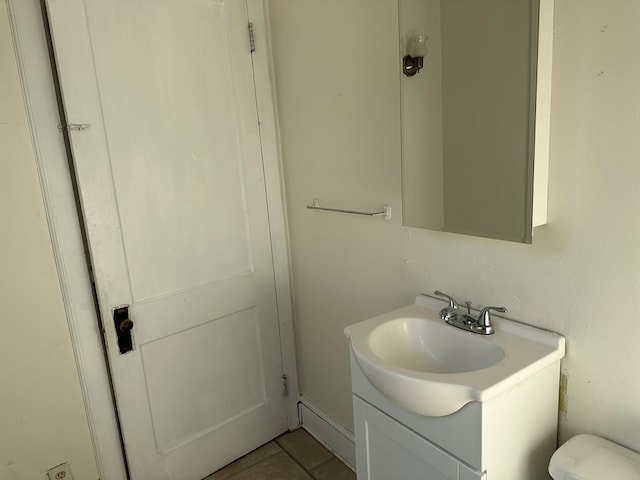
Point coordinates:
pixel 430 368
pixel 425 346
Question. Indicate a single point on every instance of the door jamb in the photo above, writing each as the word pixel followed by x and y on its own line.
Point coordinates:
pixel 276 204
pixel 26 20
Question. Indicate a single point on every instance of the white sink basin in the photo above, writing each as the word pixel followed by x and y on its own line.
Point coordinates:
pixel 423 345
pixel 430 368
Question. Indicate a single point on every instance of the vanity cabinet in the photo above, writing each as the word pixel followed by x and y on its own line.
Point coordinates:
pixel 509 437
pixel 387 450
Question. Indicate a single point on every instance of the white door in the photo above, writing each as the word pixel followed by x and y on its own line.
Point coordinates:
pixel 160 100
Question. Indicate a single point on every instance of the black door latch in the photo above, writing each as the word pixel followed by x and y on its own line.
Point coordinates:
pixel 124 325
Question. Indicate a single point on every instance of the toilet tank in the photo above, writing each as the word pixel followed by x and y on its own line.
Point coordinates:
pixel 587 457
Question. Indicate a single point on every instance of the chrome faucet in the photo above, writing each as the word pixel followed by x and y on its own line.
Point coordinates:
pixel 452 309
pixel 465 321
pixel 484 319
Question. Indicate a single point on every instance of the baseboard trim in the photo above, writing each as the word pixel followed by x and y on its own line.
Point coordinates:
pixel 339 440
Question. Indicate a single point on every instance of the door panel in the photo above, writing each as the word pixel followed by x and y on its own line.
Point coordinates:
pixel 171 185
pixel 188 400
pixel 163 99
pixel 387 450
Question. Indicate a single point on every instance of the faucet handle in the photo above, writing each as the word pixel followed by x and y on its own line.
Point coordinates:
pixel 484 319
pixel 452 301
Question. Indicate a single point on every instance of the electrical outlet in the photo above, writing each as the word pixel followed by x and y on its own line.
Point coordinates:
pixel 60 472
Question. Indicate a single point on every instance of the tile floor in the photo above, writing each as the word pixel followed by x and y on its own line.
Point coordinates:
pixel 292 456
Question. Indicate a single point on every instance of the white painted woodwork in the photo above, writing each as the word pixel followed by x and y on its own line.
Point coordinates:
pixel 66 237
pixel 388 449
pixel 42 417
pixel 543 113
pixel 173 193
pixel 511 436
pixel 271 158
pixel 328 431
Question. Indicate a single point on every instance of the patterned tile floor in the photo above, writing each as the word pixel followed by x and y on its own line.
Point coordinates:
pixel 292 456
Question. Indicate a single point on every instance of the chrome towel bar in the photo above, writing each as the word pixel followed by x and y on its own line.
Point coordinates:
pixel 386 213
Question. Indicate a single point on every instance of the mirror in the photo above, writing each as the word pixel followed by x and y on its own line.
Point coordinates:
pixel 469 116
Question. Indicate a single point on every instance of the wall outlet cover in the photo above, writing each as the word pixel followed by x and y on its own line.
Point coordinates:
pixel 60 472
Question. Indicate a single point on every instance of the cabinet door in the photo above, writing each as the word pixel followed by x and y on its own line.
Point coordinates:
pixel 386 449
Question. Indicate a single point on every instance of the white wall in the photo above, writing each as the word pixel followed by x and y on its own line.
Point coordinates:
pixel 337 74
pixel 42 417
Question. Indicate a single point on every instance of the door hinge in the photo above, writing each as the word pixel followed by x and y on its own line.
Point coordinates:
pixel 252 38
pixel 285 386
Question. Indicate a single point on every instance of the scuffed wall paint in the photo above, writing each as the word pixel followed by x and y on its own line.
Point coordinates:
pixel 563 404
